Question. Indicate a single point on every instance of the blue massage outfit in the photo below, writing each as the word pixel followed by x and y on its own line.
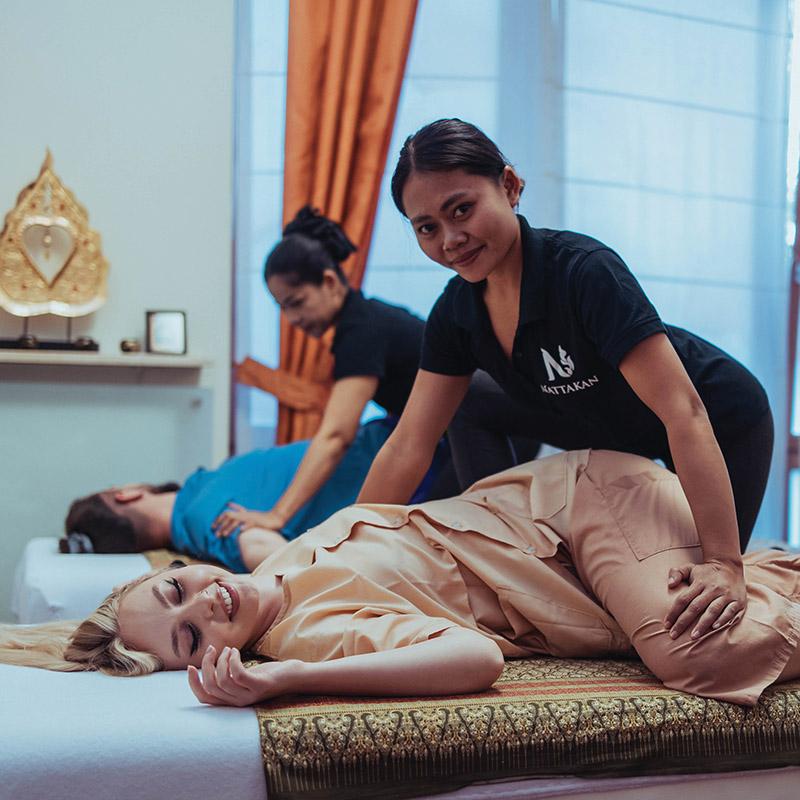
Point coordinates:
pixel 256 480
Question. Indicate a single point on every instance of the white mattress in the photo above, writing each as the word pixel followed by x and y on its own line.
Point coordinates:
pixel 75 736
pixel 49 585
pixel 82 736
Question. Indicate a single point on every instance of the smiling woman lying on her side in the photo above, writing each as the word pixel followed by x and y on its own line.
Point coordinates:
pixel 579 554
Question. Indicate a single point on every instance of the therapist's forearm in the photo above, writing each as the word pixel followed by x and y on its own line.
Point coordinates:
pixel 704 477
pixel 320 461
pixel 395 473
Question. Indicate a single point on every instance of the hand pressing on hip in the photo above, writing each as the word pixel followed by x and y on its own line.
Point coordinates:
pixel 714 595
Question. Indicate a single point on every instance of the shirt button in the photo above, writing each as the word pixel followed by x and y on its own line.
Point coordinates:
pixel 529 549
pixel 456 524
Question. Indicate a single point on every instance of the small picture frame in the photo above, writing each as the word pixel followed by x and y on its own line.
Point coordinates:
pixel 166 332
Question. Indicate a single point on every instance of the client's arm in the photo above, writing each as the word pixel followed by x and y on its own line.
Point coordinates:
pixel 255 544
pixel 455 662
pixel 336 433
pixel 401 462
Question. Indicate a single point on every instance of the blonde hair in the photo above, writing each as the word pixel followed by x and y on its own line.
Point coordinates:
pixel 91 645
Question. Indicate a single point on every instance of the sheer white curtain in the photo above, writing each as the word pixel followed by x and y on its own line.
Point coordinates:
pixel 658 126
pixel 675 128
pixel 262 36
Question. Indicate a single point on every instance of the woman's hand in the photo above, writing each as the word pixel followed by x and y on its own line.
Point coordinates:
pixel 236 517
pixel 716 591
pixel 224 681
pixel 715 595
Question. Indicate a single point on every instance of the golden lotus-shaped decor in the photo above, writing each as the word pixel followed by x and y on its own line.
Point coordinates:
pixel 50 259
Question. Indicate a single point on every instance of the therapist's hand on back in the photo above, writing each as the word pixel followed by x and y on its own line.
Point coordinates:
pixel 236 517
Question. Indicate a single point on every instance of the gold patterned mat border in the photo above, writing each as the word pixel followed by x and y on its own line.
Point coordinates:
pixel 544 716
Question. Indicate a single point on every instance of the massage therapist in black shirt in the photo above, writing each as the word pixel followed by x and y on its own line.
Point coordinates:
pixel 560 323
pixel 376 348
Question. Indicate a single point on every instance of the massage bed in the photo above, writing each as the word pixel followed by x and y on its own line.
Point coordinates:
pixel 84 735
pixel 49 585
pixel 549 728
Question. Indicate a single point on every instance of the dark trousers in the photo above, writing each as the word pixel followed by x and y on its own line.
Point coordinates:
pixel 492 432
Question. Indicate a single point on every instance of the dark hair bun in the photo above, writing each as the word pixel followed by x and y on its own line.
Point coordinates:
pixel 310 223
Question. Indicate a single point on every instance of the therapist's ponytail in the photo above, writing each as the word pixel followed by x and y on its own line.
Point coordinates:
pixel 311 244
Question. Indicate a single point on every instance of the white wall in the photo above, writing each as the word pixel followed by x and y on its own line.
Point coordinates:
pixel 135 100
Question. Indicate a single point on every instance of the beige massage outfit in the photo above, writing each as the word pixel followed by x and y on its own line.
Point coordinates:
pixel 566 556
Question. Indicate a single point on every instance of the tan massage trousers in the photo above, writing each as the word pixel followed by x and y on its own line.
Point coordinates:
pixel 567 556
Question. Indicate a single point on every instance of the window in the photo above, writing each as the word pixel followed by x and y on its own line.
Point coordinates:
pixel 657 126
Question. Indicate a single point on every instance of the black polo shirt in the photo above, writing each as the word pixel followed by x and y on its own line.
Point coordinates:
pixel 378 339
pixel 581 312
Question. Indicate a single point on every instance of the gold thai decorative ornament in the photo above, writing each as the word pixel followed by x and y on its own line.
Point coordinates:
pixel 50 259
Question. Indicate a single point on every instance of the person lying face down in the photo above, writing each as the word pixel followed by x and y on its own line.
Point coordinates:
pixel 215 514
pixel 580 554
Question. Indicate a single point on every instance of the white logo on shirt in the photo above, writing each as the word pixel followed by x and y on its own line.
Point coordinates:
pixel 564 368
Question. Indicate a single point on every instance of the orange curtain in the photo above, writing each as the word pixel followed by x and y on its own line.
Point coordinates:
pixel 346 64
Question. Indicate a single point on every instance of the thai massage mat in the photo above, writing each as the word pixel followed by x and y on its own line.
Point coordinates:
pixel 543 716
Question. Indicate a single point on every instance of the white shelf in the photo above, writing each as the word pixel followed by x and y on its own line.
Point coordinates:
pixel 76 358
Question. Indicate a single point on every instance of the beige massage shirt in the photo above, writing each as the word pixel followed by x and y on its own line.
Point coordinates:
pixel 378 577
